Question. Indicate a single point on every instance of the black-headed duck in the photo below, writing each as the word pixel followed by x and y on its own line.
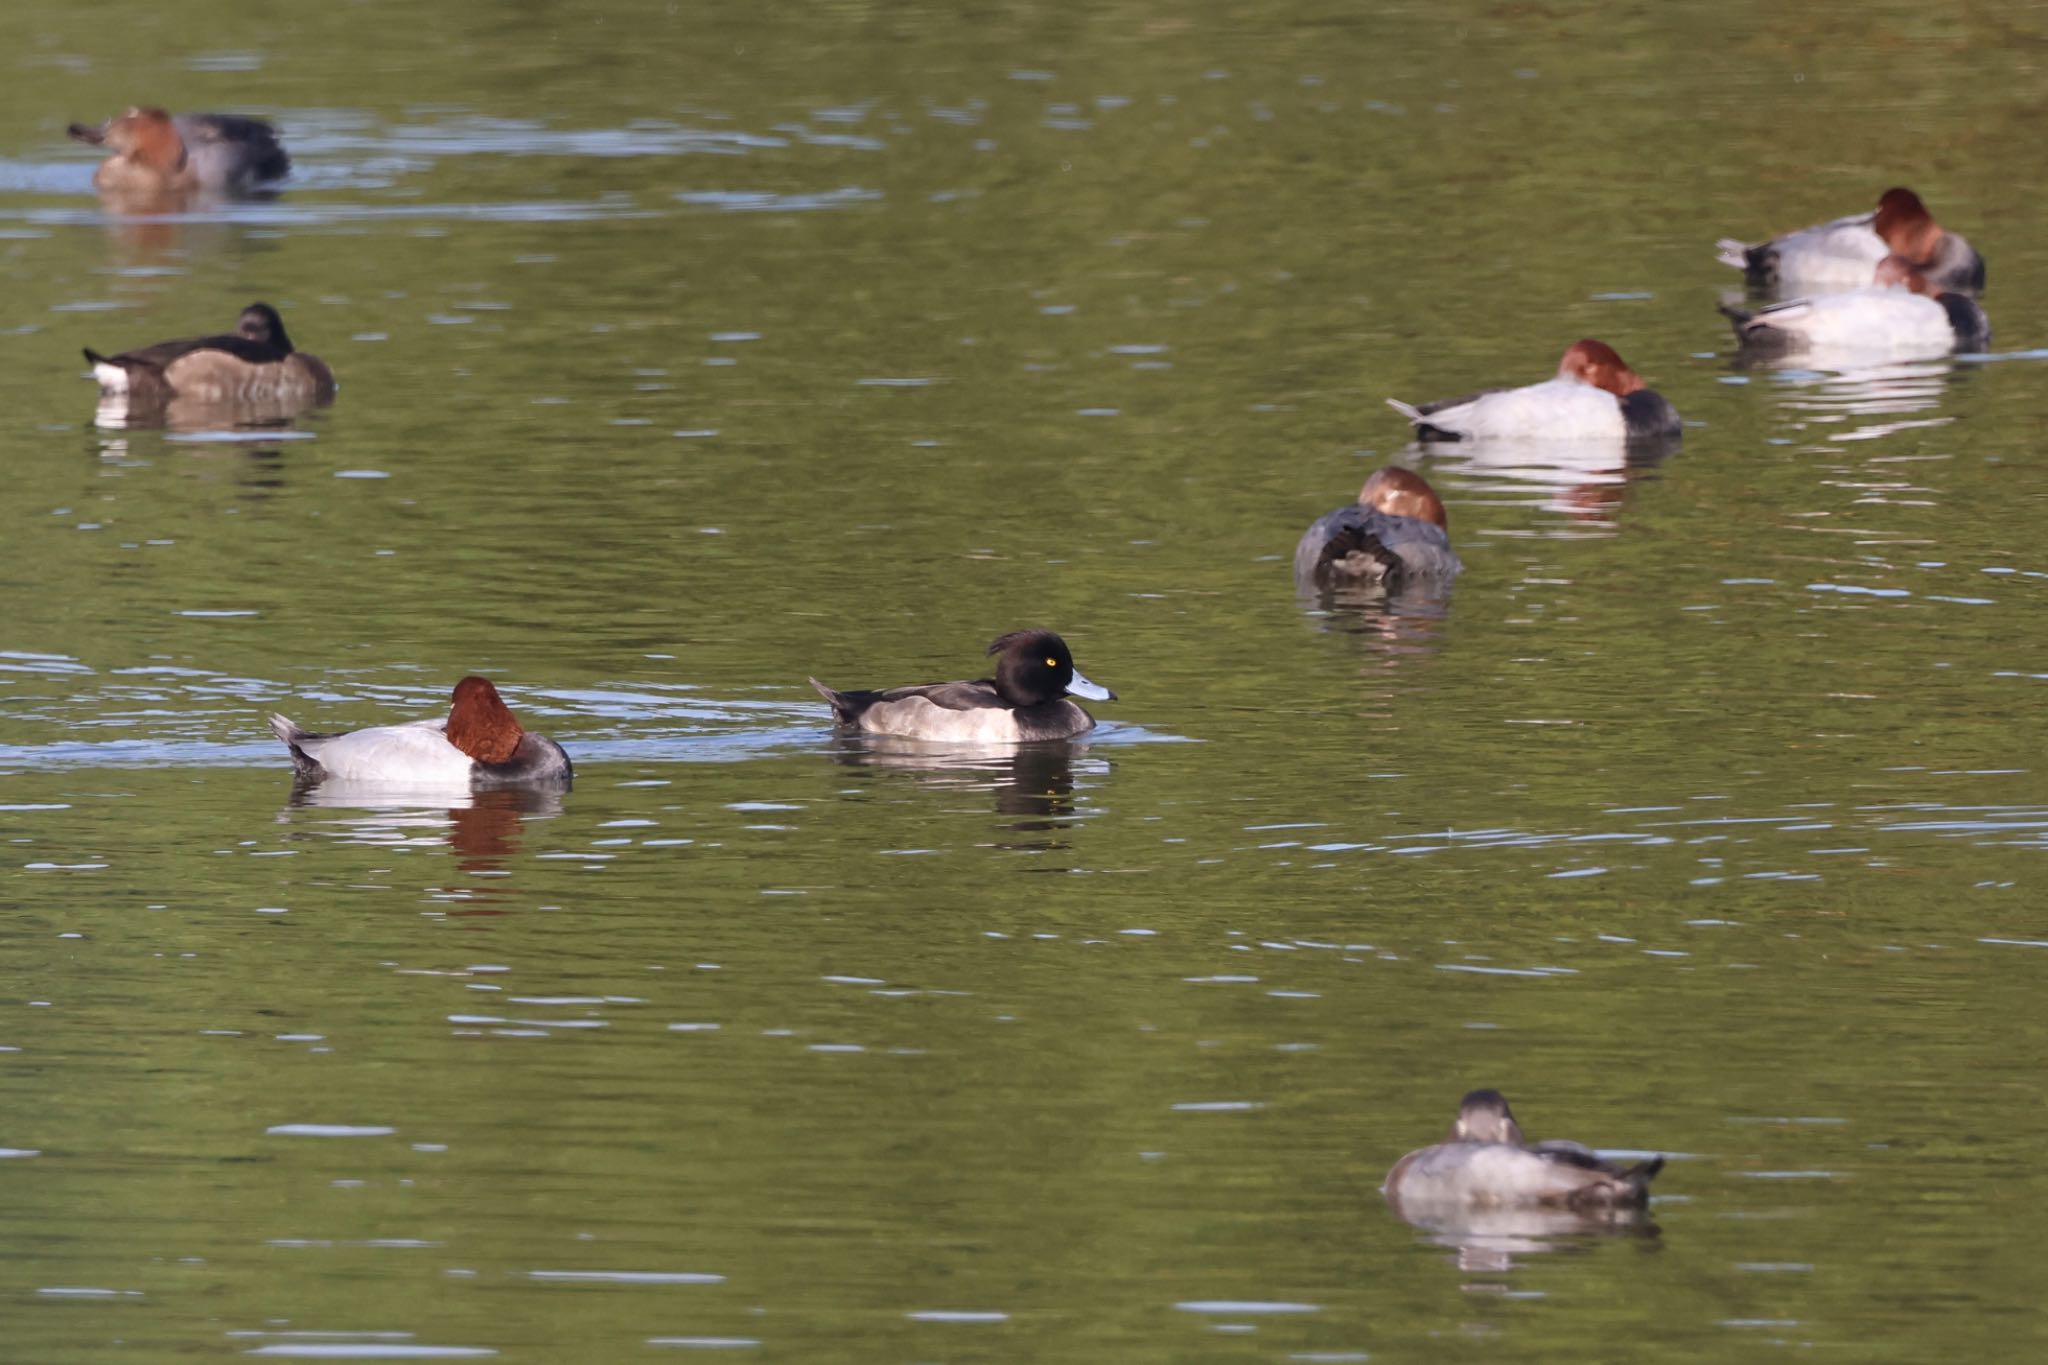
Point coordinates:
pixel 256 362
pixel 1026 700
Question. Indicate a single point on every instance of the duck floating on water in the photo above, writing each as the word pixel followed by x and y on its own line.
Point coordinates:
pixel 480 744
pixel 1900 313
pixel 1486 1162
pixel 157 153
pixel 1397 533
pixel 1842 253
pixel 255 363
pixel 1594 396
pixel 1026 700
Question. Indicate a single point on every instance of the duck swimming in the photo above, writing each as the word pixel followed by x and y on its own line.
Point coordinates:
pixel 257 362
pixel 480 744
pixel 155 153
pixel 1901 312
pixel 1026 700
pixel 1395 533
pixel 1485 1162
pixel 1841 254
pixel 1595 396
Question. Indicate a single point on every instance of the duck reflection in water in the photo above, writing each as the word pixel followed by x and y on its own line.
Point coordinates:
pixel 485 828
pixel 1032 785
pixel 119 412
pixel 1850 396
pixel 1489 1239
pixel 1585 481
pixel 1491 1194
pixel 1405 618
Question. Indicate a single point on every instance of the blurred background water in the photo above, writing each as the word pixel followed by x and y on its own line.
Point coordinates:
pixel 685 352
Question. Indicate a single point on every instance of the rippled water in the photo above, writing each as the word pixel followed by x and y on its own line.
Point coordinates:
pixel 684 355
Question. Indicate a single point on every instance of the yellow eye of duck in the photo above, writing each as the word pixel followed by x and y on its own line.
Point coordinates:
pixel 1052 663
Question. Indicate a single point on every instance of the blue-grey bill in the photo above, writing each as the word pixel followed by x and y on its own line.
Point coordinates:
pixel 1081 687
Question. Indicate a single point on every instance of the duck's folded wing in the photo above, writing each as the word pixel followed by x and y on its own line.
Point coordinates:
pixel 1569 1153
pixel 949 696
pixel 1446 404
pixel 195 128
pixel 164 352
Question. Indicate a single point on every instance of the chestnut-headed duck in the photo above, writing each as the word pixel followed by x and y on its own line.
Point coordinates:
pixel 256 363
pixel 1841 254
pixel 1485 1161
pixel 1595 397
pixel 1026 700
pixel 1396 533
pixel 480 744
pixel 1899 312
pixel 155 153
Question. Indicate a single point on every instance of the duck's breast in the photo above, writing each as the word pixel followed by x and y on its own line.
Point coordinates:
pixel 127 176
pixel 1060 719
pixel 1956 265
pixel 537 761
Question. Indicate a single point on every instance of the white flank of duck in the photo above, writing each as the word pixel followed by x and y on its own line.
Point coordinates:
pixel 1594 397
pixel 481 744
pixel 1900 314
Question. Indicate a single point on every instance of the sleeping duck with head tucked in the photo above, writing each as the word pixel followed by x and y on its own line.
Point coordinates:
pixel 255 363
pixel 1026 700
pixel 1484 1162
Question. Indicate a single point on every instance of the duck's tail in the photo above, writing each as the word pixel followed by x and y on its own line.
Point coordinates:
pixel 842 709
pixel 1606 1186
pixel 112 374
pixel 1356 540
pixel 1728 251
pixel 1741 317
pixel 1426 430
pixel 291 734
pixel 1639 1176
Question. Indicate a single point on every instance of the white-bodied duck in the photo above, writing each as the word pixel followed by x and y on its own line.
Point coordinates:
pixel 1900 313
pixel 1841 254
pixel 1594 396
pixel 480 744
